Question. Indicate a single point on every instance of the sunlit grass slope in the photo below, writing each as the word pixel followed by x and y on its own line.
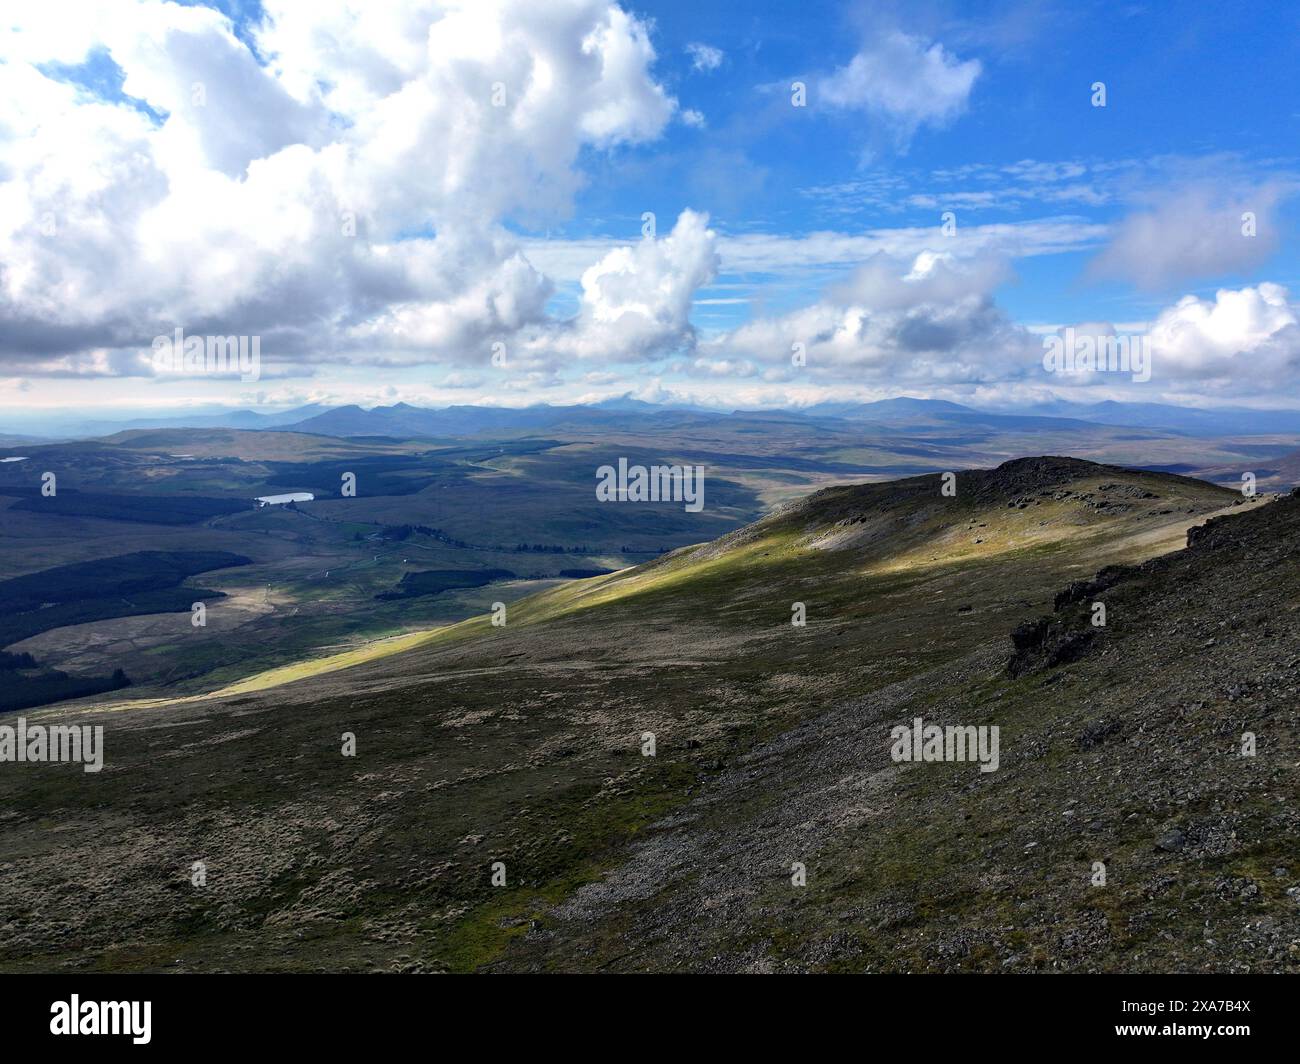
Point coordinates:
pixel 840 543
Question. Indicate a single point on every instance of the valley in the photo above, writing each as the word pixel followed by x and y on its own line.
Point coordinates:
pixel 507 499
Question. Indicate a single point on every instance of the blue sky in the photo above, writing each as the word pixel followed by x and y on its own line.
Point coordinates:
pixel 1192 90
pixel 187 166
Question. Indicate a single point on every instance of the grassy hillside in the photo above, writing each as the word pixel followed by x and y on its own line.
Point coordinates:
pixel 1124 757
pixel 523 744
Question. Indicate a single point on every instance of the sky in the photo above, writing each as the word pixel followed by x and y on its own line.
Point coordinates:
pixel 735 206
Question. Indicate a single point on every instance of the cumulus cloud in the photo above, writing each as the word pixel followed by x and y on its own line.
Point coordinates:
pixel 931 319
pixel 1245 340
pixel 1243 343
pixel 636 301
pixel 932 278
pixel 906 82
pixel 342 191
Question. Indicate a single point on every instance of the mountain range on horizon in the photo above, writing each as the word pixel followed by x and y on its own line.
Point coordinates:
pixel 403 419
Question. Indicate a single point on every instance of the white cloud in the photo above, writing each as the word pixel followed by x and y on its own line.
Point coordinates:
pixel 1243 343
pixel 933 278
pixel 1246 340
pixel 930 320
pixel 704 56
pixel 280 199
pixel 1193 233
pixel 898 77
pixel 636 301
